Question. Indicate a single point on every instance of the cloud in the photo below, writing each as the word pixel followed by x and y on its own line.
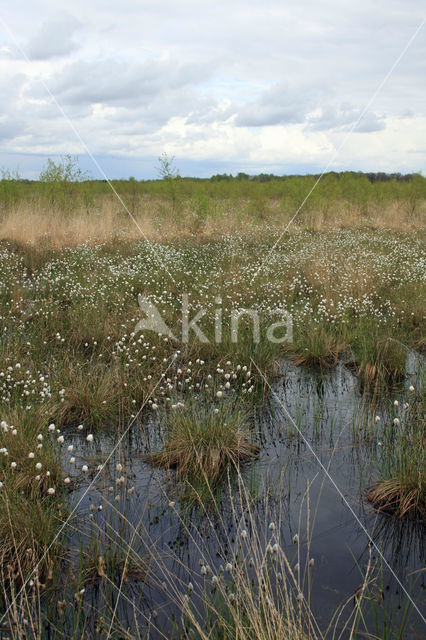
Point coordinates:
pixel 309 105
pixel 54 39
pixel 11 128
pixel 282 81
pixel 277 105
pixel 11 86
pixel 122 84
pixel 344 117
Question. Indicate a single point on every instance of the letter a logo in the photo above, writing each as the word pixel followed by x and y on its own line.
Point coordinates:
pixel 153 320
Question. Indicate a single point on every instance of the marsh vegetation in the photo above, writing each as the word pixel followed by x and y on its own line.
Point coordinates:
pixel 155 488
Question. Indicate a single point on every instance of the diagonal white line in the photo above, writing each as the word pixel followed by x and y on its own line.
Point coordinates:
pixel 98 166
pixel 102 172
pixel 86 148
pixel 96 476
pixel 339 491
pixel 341 145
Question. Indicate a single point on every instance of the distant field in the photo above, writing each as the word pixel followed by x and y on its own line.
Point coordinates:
pixel 62 212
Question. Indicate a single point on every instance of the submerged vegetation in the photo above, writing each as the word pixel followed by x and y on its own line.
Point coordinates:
pixel 88 398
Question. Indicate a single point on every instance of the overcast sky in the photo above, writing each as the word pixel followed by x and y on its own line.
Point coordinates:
pixel 255 86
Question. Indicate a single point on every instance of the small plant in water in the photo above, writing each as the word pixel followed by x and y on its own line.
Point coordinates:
pixel 401 489
pixel 204 440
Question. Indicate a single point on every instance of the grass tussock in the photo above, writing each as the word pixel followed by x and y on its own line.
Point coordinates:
pixel 400 496
pixel 126 567
pixel 28 529
pixel 30 508
pixel 202 443
pixel 315 346
pixel 401 489
pixel 379 354
pixel 94 396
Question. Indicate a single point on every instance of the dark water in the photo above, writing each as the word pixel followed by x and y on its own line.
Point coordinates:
pixel 337 420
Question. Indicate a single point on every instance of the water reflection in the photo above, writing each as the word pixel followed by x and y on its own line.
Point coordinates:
pixel 337 419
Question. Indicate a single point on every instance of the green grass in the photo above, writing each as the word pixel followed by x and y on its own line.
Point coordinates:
pixel 64 185
pixel 29 515
pixel 401 488
pixel 68 354
pixel 202 442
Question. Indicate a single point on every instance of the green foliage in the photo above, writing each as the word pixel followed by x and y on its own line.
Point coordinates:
pixel 168 172
pixel 65 171
pixel 166 168
pixel 65 186
pixel 203 441
pixel 59 179
pixel 401 488
pixel 9 188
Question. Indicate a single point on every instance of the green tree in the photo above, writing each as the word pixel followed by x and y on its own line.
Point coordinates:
pixel 168 172
pixel 61 179
pixel 166 169
pixel 65 171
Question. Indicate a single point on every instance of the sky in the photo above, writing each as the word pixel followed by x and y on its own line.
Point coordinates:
pixel 255 86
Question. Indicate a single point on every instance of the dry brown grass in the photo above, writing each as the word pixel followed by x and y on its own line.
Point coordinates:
pixel 54 229
pixel 400 497
pixel 32 223
pixel 192 457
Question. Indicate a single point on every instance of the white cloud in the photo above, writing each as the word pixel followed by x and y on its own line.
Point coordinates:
pixel 124 84
pixel 345 117
pixel 254 84
pixel 54 39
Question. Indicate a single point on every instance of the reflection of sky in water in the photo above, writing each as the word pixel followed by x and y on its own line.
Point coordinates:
pixel 330 411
